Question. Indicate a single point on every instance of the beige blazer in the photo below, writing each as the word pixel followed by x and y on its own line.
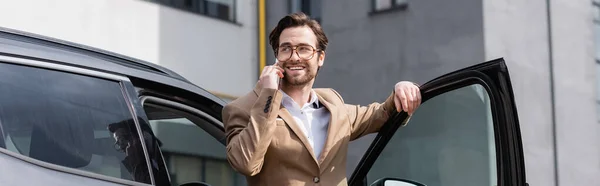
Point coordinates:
pixel 266 144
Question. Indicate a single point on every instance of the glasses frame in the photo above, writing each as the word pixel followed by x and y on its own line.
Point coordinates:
pixel 296 51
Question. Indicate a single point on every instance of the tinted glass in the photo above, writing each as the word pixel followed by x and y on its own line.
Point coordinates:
pixel 69 120
pixel 448 141
pixel 191 153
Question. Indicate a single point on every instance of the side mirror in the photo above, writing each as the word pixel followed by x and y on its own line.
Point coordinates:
pixel 195 184
pixel 396 182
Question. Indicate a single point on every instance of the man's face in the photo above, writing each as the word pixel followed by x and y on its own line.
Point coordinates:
pixel 299 71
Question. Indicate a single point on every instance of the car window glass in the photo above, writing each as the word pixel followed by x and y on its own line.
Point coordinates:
pixel 191 154
pixel 448 141
pixel 70 120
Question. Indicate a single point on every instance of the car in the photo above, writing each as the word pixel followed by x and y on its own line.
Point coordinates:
pixel 76 115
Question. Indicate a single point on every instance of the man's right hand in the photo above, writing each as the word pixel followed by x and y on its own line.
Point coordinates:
pixel 270 76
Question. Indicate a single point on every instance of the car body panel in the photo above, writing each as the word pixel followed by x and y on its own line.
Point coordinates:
pixel 19 170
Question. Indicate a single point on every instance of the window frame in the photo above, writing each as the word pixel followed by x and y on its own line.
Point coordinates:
pixel 298 5
pixel 204 12
pixel 121 80
pixel 492 76
pixel 394 6
pixel 214 128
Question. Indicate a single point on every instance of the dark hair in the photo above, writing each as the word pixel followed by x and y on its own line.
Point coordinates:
pixel 295 20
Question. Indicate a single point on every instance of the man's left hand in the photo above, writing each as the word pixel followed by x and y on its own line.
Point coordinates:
pixel 407 97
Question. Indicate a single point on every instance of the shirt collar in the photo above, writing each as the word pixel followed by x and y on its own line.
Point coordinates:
pixel 313 102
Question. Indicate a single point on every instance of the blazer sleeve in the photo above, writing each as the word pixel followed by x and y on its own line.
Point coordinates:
pixel 369 119
pixel 249 133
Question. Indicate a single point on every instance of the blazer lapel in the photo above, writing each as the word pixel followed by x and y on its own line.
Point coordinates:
pixel 290 122
pixel 332 133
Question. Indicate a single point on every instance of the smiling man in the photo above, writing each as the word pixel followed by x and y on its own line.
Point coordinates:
pixel 285 132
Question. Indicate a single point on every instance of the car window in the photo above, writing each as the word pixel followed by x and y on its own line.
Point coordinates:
pixel 191 153
pixel 448 141
pixel 69 120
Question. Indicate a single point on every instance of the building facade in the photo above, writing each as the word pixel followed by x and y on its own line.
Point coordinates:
pixel 549 49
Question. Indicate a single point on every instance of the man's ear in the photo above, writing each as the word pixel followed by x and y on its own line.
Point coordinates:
pixel 321 58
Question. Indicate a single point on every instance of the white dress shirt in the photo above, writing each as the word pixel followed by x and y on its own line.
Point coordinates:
pixel 312 118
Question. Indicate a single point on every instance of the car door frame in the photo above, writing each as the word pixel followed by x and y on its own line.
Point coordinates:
pixel 494 77
pixel 181 100
pixel 196 105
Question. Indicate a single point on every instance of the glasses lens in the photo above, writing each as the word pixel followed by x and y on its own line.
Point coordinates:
pixel 305 52
pixel 284 53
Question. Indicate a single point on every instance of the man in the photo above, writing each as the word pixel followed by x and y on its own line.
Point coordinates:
pixel 287 133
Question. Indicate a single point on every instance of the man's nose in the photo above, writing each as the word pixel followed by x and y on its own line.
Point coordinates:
pixel 295 57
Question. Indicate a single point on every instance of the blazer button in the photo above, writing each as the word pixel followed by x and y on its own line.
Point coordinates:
pixel 316 179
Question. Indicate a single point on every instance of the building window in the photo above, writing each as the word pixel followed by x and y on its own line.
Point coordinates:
pixel 383 5
pixel 220 9
pixel 596 6
pixel 308 7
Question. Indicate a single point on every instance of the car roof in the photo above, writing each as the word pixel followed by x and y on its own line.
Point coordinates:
pixel 29 45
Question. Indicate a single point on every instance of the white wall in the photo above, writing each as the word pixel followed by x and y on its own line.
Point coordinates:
pixel 518 31
pixel 578 137
pixel 228 52
pixel 217 55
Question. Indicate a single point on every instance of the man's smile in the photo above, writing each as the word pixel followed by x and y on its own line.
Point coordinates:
pixel 295 68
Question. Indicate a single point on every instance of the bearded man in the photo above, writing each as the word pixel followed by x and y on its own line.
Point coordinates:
pixel 285 132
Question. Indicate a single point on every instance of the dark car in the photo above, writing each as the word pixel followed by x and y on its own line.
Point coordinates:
pixel 76 115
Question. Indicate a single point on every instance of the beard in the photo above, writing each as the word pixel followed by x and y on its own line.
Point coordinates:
pixel 299 80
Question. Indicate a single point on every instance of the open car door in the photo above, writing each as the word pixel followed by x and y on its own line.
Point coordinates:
pixel 466 132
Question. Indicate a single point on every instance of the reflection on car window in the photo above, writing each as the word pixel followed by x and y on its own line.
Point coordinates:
pixel 448 141
pixel 191 154
pixel 69 120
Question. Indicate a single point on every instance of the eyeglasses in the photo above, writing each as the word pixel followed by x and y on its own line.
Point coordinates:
pixel 304 52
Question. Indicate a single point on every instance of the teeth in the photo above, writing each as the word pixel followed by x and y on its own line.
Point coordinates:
pixel 296 68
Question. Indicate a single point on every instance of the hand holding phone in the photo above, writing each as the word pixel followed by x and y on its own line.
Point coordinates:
pixel 271 76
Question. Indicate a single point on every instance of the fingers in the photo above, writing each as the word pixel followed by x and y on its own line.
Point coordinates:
pixel 264 70
pixel 410 101
pixel 417 94
pixel 270 76
pixel 272 69
pixel 404 100
pixel 268 70
pixel 397 102
pixel 407 98
pixel 279 71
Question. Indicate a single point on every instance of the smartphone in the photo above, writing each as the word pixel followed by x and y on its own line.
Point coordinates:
pixel 278 80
